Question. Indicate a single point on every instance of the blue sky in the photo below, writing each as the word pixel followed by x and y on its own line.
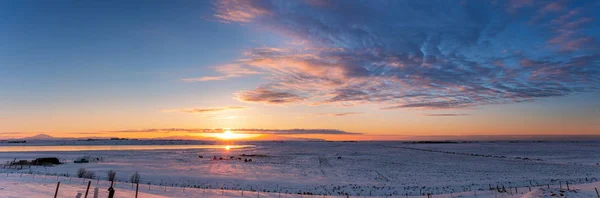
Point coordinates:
pixel 79 66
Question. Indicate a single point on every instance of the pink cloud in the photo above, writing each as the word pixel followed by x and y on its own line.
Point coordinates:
pixel 578 43
pixel 205 110
pixel 228 71
pixel 542 12
pixel 578 23
pixel 564 18
pixel 346 59
pixel 338 114
pixel 267 95
pixel 499 63
pixel 552 7
pixel 567 28
pixel 237 10
pixel 515 5
pixel 205 78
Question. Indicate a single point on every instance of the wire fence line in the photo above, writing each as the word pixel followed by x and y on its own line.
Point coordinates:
pixel 131 189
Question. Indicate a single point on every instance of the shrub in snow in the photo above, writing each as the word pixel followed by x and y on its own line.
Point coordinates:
pixel 135 178
pixel 83 173
pixel 90 175
pixel 111 175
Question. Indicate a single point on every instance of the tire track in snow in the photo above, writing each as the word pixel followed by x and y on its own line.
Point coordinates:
pixel 324 164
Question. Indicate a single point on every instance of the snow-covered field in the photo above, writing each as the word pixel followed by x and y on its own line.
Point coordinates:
pixel 340 168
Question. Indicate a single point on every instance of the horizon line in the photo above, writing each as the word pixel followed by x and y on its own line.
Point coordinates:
pixel 508 137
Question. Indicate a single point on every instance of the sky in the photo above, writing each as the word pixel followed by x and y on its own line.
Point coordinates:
pixel 335 70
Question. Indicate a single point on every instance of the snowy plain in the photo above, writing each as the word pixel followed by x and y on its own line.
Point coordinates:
pixel 331 168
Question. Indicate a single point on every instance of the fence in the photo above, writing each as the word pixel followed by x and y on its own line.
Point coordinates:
pixel 66 186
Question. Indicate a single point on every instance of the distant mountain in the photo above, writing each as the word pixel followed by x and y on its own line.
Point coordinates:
pixel 40 137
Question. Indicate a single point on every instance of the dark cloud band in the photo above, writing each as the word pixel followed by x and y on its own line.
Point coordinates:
pixel 242 131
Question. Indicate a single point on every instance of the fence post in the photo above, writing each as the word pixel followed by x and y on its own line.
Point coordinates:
pixel 560 184
pixel 87 189
pixel 111 192
pixel 568 185
pixel 56 192
pixel 95 192
pixel 137 185
pixel 597 192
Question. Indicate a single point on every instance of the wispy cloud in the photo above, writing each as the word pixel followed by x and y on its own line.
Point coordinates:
pixel 228 71
pixel 214 117
pixel 205 110
pixel 452 104
pixel 514 5
pixel 338 114
pixel 239 11
pixel 267 95
pixel 446 114
pixel 12 133
pixel 242 131
pixel 403 55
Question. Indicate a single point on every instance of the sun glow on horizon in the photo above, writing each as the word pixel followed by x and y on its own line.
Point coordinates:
pixel 230 135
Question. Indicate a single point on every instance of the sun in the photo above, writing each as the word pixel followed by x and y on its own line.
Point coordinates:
pixel 229 135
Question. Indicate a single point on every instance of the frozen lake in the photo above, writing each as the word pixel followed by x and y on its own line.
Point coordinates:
pixel 338 168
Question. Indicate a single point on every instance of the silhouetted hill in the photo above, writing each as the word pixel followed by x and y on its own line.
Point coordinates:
pixel 40 137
